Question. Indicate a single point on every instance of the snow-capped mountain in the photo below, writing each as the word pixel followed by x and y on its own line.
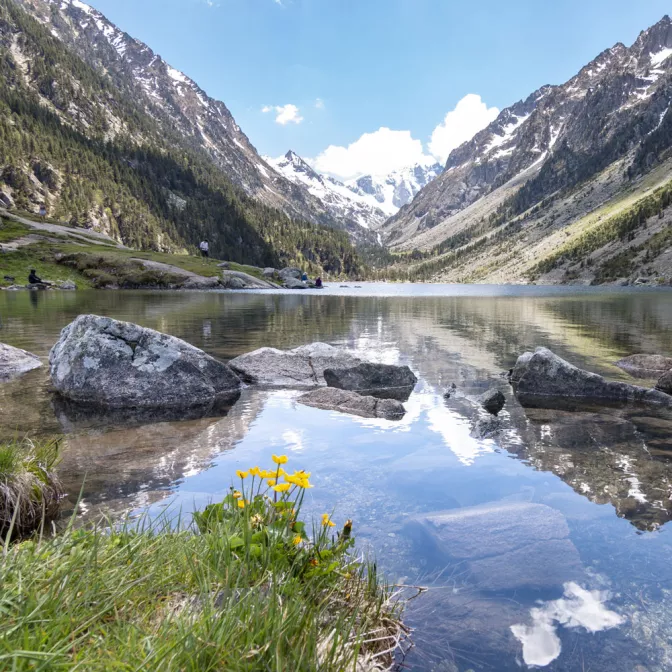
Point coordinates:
pixel 367 200
pixel 398 188
pixel 555 139
pixel 173 100
pixel 341 201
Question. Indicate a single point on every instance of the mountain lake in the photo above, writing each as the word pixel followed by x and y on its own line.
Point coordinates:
pixel 554 548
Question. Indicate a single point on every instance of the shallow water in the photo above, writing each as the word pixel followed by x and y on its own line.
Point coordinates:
pixel 581 496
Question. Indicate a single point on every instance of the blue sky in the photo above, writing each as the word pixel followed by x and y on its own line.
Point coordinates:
pixel 397 64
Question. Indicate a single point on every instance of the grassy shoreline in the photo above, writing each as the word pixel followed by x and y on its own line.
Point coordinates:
pixel 244 586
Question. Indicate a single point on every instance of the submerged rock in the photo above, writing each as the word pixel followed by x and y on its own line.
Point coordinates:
pixel 332 399
pixel 664 383
pixel 645 366
pixel 299 368
pixel 381 380
pixel 492 401
pixel 104 362
pixel 543 374
pixel 505 545
pixel 15 362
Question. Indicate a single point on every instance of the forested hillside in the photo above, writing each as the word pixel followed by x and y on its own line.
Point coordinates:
pixel 71 139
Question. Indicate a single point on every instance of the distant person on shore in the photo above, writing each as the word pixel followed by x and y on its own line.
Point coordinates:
pixel 33 279
pixel 43 210
pixel 304 277
pixel 205 249
pixel 318 283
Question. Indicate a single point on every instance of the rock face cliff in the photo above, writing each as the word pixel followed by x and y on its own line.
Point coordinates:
pixel 616 109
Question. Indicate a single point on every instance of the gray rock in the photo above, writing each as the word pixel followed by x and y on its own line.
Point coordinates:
pixel 104 362
pixel 505 545
pixel 665 383
pixel 299 368
pixel 269 272
pixel 645 366
pixel 223 264
pixel 344 401
pixel 67 284
pixel 6 200
pixel 15 362
pixel 293 283
pixel 201 282
pixel 290 272
pixel 492 401
pixel 381 380
pixel 543 374
pixel 240 280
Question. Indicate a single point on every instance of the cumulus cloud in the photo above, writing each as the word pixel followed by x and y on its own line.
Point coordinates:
pixel 470 116
pixel 285 114
pixel 376 153
pixel 386 150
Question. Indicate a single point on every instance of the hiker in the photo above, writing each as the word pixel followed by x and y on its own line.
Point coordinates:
pixel 304 277
pixel 205 249
pixel 318 283
pixel 33 279
pixel 43 210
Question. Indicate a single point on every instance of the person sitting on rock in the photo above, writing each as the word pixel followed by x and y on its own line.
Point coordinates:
pixel 304 277
pixel 33 279
pixel 318 283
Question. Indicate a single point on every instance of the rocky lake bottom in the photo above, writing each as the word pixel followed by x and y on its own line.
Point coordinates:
pixel 544 539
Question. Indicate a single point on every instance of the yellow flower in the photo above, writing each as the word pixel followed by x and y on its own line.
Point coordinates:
pixel 241 504
pixel 280 459
pixel 283 487
pixel 271 481
pixel 236 494
pixel 326 522
pixel 281 472
pixel 297 540
pixel 255 471
pixel 242 474
pixel 302 474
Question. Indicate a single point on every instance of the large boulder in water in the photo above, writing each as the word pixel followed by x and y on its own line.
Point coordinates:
pixel 15 362
pixel 645 366
pixel 299 368
pixel 543 374
pixel 293 283
pixel 380 380
pixel 104 362
pixel 344 401
pixel 505 545
pixel 665 383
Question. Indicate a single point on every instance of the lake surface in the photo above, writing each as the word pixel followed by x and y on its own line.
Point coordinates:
pixel 559 547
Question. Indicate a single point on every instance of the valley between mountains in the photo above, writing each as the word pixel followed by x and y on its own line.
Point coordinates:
pixel 571 185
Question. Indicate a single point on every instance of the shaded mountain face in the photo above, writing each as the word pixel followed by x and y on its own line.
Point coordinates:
pixel 174 101
pixel 557 138
pixel 344 204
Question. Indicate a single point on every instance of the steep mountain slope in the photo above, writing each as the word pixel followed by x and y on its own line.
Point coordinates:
pixel 92 151
pixel 174 101
pixel 398 188
pixel 569 148
pixel 343 203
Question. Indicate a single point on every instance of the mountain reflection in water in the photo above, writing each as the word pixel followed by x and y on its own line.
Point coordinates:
pixel 604 472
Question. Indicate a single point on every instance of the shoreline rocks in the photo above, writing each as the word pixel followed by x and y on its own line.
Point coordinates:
pixel 240 280
pixel 384 381
pixel 492 401
pixel 542 374
pixel 14 362
pixel 645 366
pixel 302 367
pixel 345 401
pixel 104 362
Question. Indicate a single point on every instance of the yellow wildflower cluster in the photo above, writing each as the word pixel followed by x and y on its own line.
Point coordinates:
pixel 326 521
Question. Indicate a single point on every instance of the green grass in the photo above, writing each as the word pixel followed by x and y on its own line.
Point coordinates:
pixel 29 489
pixel 242 588
pixel 10 230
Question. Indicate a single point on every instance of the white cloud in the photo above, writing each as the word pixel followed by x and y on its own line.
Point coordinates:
pixel 319 104
pixel 376 153
pixel 470 116
pixel 385 150
pixel 286 114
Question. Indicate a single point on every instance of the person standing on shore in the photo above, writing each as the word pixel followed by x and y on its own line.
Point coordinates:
pixel 205 249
